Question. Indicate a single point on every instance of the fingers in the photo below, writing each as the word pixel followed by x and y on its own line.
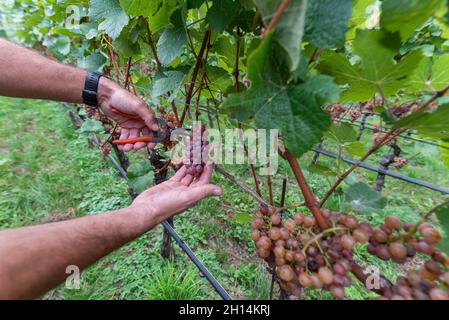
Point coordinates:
pixel 177 177
pixel 187 180
pixel 133 133
pixel 123 136
pixel 200 192
pixel 148 116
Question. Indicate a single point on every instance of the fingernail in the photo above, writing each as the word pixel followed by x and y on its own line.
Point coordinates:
pixel 217 192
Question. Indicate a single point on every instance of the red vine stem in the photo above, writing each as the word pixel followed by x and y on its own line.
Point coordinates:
pixel 309 198
pixel 127 75
pixel 151 42
pixel 195 75
pixel 277 15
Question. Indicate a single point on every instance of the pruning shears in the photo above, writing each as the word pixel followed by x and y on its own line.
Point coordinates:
pixel 163 134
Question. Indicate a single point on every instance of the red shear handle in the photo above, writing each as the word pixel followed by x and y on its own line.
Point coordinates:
pixel 134 140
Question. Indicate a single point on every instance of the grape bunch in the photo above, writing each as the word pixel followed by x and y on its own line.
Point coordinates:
pixel 430 282
pixel 196 150
pixel 304 256
pixel 398 242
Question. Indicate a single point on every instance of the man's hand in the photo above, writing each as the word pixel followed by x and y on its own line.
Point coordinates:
pixel 176 195
pixel 110 95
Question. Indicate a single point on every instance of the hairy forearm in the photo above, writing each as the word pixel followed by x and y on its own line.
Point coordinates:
pixel 27 74
pixel 34 259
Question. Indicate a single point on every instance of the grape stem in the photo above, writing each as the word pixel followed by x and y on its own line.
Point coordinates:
pixel 151 42
pixel 241 185
pixel 277 16
pixel 198 64
pixel 319 236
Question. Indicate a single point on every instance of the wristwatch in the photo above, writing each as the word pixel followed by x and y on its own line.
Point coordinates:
pixel 91 88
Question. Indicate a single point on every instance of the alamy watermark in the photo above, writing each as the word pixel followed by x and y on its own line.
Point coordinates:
pixel 73 281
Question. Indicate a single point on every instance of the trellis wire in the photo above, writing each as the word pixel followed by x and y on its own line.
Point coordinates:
pixel 389 173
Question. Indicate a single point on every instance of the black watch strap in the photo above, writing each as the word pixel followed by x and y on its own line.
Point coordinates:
pixel 91 88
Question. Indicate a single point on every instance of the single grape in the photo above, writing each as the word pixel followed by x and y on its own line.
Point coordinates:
pixel 397 250
pixel 255 235
pixel 432 267
pixel 289 255
pixel 264 243
pixel 284 233
pixel 316 282
pixel 337 291
pixel 326 276
pixel 438 294
pixel 312 251
pixel 347 242
pixel 279 251
pixel 360 235
pixel 380 236
pixel 393 222
pixel 351 222
pixel 312 266
pixel 290 225
pixel 276 219
pixel 431 235
pixel 263 253
pixel 298 257
pixel 339 269
pixel 299 218
pixel 274 234
pixel 305 280
pixel 285 273
pixel 279 261
pixel 257 223
pixel 309 221
pixel 319 259
pixel 382 252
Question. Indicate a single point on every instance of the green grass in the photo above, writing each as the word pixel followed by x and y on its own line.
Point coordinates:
pixel 49 172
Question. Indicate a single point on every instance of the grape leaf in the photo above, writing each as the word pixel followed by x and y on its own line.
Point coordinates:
pixel 289 30
pixel 406 16
pixel 140 7
pixel 295 110
pixel 113 18
pixel 377 72
pixel 221 14
pixel 321 170
pixel 444 153
pixel 442 214
pixel 160 19
pixel 171 42
pixel 243 218
pixel 167 81
pixel 93 62
pixel 90 125
pixel 431 124
pixel 359 197
pixel 327 22
pixel 140 176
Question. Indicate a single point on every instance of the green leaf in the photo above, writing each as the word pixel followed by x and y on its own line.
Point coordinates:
pixel 342 133
pixel 90 125
pixel 444 153
pixel 295 110
pixel 359 197
pixel 93 62
pixel 171 43
pixel 406 16
pixel 442 214
pixel 433 124
pixel 221 14
pixel 243 218
pixel 440 77
pixel 140 176
pixel 327 22
pixel 321 170
pixel 290 28
pixel 377 71
pixel 126 44
pixel 167 81
pixel 160 19
pixel 355 149
pixel 113 18
pixel 140 7
pixel 61 45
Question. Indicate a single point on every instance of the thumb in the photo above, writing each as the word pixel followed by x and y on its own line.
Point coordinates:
pixel 200 192
pixel 148 117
